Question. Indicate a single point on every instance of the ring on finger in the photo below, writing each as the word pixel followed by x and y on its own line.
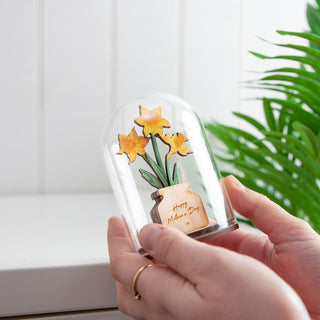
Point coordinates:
pixel 135 292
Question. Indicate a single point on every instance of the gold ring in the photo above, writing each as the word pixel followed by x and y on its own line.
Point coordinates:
pixel 136 294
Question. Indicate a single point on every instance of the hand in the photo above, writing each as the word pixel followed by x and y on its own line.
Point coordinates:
pixel 290 247
pixel 194 280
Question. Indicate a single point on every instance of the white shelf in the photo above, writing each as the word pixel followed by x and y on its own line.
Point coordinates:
pixel 54 254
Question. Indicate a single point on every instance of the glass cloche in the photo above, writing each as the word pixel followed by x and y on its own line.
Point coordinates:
pixel 162 169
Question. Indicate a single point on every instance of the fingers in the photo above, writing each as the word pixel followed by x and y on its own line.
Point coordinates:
pixel 135 309
pixel 182 253
pixel 245 242
pixel 157 284
pixel 161 288
pixel 118 238
pixel 124 263
pixel 265 214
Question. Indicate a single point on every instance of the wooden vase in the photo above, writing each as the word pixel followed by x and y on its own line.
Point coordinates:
pixel 176 206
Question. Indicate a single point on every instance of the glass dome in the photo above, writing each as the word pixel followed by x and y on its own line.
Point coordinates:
pixel 162 170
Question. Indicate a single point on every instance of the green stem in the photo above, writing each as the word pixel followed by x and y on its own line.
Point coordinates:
pixel 157 171
pixel 175 177
pixel 168 172
pixel 156 150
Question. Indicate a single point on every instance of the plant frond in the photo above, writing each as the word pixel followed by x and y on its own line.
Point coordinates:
pixel 282 158
pixel 305 35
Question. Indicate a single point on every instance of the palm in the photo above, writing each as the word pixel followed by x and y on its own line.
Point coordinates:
pixel 288 245
pixel 293 260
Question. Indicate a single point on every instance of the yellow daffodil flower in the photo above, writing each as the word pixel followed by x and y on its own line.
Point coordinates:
pixel 151 121
pixel 176 143
pixel 132 145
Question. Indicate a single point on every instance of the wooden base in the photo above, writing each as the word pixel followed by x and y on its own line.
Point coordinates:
pixel 176 206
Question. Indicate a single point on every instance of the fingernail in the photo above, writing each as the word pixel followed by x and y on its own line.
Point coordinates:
pixel 148 236
pixel 237 183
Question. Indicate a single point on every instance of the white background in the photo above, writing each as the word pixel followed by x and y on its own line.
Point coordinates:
pixel 65 65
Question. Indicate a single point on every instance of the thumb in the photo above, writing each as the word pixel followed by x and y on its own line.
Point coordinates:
pixel 185 255
pixel 266 215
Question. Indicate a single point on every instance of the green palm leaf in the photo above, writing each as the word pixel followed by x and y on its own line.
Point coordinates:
pixel 282 160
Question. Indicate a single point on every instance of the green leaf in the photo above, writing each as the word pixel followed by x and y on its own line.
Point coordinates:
pixel 283 183
pixel 168 172
pixel 304 95
pixel 175 174
pixel 259 55
pixel 305 177
pixel 298 150
pixel 250 181
pixel 158 171
pixel 306 74
pixel 314 63
pixel 268 111
pixel 284 120
pixel 308 87
pixel 310 140
pixel 150 178
pixel 297 112
pixel 313 17
pixel 250 120
pixel 245 135
pixel 247 154
pixel 245 220
pixel 310 51
pixel 305 35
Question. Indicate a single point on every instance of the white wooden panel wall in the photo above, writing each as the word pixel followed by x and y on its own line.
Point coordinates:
pixel 146 48
pixel 211 70
pixel 75 105
pixel 18 142
pixel 65 65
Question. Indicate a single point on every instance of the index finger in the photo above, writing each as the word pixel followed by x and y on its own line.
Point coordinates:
pixel 124 262
pixel 192 259
pixel 270 218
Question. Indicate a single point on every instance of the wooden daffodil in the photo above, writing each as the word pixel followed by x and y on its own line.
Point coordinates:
pixel 176 143
pixel 162 173
pixel 151 121
pixel 132 145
